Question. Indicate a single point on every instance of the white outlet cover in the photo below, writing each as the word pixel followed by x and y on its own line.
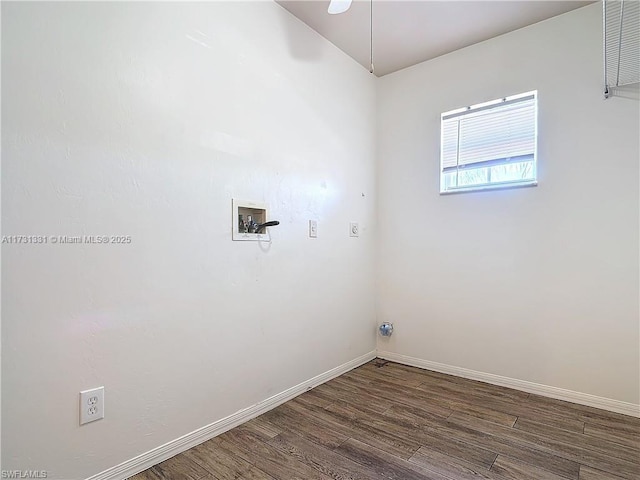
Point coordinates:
pixel 354 229
pixel 313 228
pixel 91 405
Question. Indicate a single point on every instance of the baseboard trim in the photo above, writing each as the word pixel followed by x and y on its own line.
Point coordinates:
pixel 531 387
pixel 179 445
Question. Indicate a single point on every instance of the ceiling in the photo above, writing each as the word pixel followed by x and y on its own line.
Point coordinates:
pixel 409 32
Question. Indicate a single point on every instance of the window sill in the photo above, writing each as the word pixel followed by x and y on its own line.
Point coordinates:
pixel 484 188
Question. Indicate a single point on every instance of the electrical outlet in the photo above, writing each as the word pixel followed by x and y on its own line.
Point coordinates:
pixel 354 229
pixel 91 405
pixel 313 228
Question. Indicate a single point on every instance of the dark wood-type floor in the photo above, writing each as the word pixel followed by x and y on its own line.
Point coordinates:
pixel 389 421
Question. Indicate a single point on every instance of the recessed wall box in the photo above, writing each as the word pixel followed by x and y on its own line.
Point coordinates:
pixel 247 216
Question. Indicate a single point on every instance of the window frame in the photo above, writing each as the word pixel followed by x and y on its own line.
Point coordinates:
pixel 507 184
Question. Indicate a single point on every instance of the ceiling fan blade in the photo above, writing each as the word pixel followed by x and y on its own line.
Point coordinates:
pixel 339 6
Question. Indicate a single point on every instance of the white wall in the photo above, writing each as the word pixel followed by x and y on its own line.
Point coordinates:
pixel 537 284
pixel 145 119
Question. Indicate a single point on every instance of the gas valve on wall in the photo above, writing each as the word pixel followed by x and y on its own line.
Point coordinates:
pixel 386 329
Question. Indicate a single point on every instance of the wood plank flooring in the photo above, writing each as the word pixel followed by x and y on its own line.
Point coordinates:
pixel 389 421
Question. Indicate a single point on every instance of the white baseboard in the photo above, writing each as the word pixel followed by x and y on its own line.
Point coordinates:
pixel 179 445
pixel 531 387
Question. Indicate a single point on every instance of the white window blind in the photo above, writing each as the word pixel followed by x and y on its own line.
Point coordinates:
pixel 621 34
pixel 489 145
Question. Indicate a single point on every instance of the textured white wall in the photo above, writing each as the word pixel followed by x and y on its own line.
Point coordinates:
pixel 145 119
pixel 537 284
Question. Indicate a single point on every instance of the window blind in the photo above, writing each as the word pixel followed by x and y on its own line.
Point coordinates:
pixel 621 25
pixel 488 135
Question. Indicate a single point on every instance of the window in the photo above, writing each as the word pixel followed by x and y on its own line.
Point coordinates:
pixel 490 145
